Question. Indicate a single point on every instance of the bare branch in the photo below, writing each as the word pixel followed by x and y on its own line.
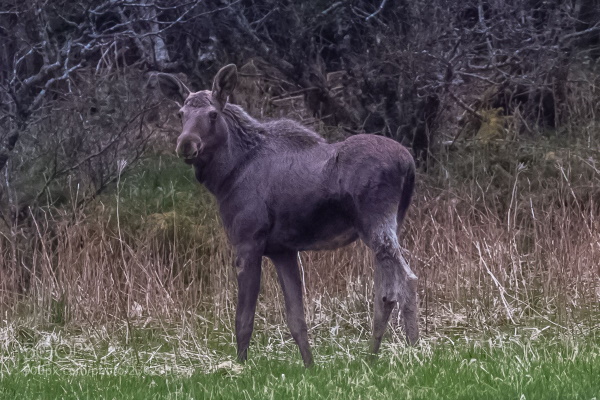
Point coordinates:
pixel 593 29
pixel 376 11
pixel 466 107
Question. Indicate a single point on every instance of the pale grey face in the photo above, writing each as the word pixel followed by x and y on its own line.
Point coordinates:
pixel 203 127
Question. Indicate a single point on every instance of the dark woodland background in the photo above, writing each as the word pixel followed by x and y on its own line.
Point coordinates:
pixel 79 105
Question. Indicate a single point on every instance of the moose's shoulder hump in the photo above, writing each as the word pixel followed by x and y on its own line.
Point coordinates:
pixel 293 133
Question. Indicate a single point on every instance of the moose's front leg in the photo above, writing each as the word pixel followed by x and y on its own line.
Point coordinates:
pixel 248 265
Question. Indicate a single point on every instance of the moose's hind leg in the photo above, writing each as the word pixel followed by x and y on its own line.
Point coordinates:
pixel 381 315
pixel 394 283
pixel 410 313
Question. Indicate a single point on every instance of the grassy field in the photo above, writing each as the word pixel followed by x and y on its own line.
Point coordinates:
pixel 134 296
pixel 525 364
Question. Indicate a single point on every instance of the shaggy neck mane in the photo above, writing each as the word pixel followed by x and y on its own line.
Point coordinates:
pixel 245 131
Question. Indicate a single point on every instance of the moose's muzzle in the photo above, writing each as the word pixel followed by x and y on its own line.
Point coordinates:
pixel 188 149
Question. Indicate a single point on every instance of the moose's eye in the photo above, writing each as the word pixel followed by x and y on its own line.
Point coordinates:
pixel 213 116
pixel 180 115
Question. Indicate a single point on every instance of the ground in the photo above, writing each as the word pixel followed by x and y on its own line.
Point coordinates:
pixel 513 363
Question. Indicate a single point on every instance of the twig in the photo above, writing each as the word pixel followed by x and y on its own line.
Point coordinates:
pixel 259 22
pixel 377 11
pixel 581 33
pixel 466 107
pixel 331 8
pixel 294 93
pixel 482 78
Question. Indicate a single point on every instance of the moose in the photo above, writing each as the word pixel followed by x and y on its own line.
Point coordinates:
pixel 281 189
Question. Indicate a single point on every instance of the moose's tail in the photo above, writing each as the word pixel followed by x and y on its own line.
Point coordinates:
pixel 408 187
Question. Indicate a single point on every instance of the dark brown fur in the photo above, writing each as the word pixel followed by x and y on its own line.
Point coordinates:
pixel 281 189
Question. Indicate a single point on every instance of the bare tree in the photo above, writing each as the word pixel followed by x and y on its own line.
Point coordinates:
pixel 408 66
pixel 71 85
pixel 396 68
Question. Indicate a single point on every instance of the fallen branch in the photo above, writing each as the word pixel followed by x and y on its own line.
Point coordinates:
pixel 466 107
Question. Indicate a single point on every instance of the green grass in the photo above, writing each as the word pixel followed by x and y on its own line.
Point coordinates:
pixel 161 184
pixel 500 367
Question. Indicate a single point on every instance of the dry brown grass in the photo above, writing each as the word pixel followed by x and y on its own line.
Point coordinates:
pixel 491 250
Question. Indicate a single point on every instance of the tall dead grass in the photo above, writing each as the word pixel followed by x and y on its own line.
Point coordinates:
pixel 491 249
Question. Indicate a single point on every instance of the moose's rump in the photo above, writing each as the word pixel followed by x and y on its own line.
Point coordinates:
pixel 326 201
pixel 367 164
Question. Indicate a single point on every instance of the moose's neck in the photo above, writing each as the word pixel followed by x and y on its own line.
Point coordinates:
pixel 219 172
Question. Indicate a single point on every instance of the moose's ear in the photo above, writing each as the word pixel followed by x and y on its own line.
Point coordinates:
pixel 224 83
pixel 172 87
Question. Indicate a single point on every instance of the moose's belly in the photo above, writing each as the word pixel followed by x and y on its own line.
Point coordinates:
pixel 325 226
pixel 332 242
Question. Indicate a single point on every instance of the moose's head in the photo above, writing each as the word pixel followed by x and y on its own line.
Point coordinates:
pixel 204 128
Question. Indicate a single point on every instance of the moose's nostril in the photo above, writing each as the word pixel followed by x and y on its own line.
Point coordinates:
pixel 187 150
